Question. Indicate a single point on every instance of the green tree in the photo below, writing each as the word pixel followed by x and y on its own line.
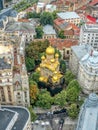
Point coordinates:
pixel 39 32
pixel 54 14
pixel 34 91
pixel 74 84
pixel 34 50
pixel 44 99
pixel 62 66
pixel 61 34
pixel 30 63
pixel 73 111
pixel 60 99
pixel 35 76
pixel 33 115
pixel 46 18
pixel 72 95
pixel 33 15
pixel 69 77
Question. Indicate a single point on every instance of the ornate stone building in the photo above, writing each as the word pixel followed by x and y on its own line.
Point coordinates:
pixel 88 72
pixel 49 67
pixel 14 87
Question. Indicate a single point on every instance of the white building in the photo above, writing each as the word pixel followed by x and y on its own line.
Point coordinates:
pixel 88 72
pixel 40 7
pixel 88 116
pixel 50 8
pixel 89 35
pixel 77 52
pixel 71 17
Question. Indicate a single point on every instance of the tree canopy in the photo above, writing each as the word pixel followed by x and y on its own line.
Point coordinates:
pixel 35 49
pixel 46 18
pixel 44 99
pixel 73 111
pixel 39 32
pixel 69 77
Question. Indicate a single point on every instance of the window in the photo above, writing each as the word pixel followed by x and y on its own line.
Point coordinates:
pixel 67 51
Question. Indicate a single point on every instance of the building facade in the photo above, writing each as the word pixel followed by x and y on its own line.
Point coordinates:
pixel 88 116
pixel 14 87
pixel 89 35
pixel 88 72
pixel 76 54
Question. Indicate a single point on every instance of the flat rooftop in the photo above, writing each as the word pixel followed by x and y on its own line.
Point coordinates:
pixel 5 118
pixel 23 116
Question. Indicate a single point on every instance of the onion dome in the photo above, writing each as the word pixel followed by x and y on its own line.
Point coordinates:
pixel 55 78
pixel 38 69
pixel 43 57
pixel 50 50
pixel 52 60
pixel 56 55
pixel 41 78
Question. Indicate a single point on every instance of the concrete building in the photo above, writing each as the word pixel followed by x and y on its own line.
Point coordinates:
pixel 88 116
pixel 71 17
pixel 89 35
pixel 14 118
pixel 77 52
pixel 49 32
pixel 88 72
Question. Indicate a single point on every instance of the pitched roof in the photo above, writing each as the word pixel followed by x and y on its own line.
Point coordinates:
pixel 63 43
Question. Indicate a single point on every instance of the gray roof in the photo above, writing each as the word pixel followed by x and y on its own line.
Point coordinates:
pixel 81 50
pixel 9 12
pixel 63 25
pixel 88 116
pixel 5 118
pixel 68 15
pixel 91 28
pixel 1 24
pixel 23 116
pixel 4 64
pixel 20 26
pixel 48 29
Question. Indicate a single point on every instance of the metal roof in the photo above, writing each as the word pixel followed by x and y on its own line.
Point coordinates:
pixel 68 15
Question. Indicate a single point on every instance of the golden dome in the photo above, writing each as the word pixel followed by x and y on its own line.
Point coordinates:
pixel 52 60
pixel 38 69
pixel 55 78
pixel 55 72
pixel 43 57
pixel 41 78
pixel 50 50
pixel 56 55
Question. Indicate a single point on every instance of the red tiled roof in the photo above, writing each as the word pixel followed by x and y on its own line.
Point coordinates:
pixel 23 20
pixel 91 19
pixel 93 2
pixel 59 21
pixel 63 43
